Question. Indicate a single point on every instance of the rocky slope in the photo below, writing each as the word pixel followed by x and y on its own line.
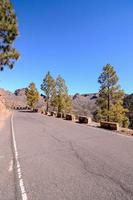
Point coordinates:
pixel 84 104
pixel 17 99
pixel 4 113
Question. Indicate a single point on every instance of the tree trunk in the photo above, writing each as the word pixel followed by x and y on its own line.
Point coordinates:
pixel 47 108
pixel 108 117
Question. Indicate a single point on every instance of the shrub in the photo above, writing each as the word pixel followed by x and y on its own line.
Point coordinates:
pixel 125 122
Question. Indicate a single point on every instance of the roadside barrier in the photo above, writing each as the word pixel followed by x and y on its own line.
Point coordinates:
pixel 53 113
pixel 84 120
pixel 70 117
pixel 109 125
pixel 59 115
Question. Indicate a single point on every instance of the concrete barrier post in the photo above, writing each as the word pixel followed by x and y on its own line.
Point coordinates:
pixel 109 125
pixel 70 117
pixel 59 115
pixel 84 120
pixel 53 113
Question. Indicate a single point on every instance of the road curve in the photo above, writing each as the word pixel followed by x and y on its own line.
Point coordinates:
pixel 61 160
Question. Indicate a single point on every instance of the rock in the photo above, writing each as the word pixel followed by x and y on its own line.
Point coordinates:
pixel 20 92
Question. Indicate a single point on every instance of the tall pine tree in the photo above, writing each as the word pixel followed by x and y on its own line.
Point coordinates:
pixel 63 100
pixel 48 87
pixel 8 33
pixel 32 96
pixel 111 97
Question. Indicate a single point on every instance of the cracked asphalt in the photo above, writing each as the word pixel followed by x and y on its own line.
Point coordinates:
pixel 61 160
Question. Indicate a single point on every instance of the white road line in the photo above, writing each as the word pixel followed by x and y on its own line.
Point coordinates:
pixel 19 173
pixel 10 169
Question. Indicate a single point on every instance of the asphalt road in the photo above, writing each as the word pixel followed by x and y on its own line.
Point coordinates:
pixel 7 176
pixel 61 160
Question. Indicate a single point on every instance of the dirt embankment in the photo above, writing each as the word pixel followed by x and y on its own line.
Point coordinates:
pixel 4 114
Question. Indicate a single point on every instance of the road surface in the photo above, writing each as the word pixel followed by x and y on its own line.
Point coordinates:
pixel 60 160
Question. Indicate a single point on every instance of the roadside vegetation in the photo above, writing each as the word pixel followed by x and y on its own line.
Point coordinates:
pixel 8 54
pixel 8 34
pixel 32 96
pixel 128 104
pixel 48 87
pixel 56 92
pixel 111 96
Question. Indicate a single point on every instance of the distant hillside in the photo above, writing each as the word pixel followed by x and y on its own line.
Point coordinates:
pixel 18 98
pixel 10 99
pixel 84 104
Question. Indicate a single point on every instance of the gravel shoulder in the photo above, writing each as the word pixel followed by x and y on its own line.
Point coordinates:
pixel 3 118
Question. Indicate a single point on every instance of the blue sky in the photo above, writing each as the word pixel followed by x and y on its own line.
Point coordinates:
pixel 73 38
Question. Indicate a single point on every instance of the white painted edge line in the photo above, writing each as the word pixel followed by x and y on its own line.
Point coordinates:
pixel 19 173
pixel 10 169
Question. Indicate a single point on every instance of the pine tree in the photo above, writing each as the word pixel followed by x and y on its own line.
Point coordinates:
pixel 63 101
pixel 8 33
pixel 32 96
pixel 128 103
pixel 110 101
pixel 48 87
pixel 68 104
